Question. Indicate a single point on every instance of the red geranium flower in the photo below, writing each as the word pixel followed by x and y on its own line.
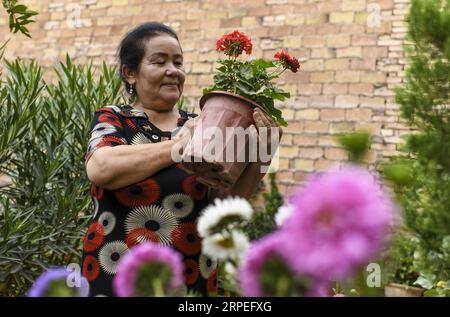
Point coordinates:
pixel 252 79
pixel 289 62
pixel 233 44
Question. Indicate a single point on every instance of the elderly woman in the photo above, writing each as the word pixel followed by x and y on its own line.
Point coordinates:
pixel 140 193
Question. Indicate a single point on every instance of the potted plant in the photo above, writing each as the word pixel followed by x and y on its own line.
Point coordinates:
pixel 400 272
pixel 239 87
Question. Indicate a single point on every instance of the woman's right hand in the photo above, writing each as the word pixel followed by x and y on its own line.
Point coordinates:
pixel 182 138
pixel 185 133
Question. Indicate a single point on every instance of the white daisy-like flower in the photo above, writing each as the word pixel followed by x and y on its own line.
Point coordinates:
pixel 218 216
pixel 181 205
pixel 101 129
pixel 108 221
pixel 230 269
pixel 284 212
pixel 222 246
pixel 111 254
pixel 140 138
pixel 154 218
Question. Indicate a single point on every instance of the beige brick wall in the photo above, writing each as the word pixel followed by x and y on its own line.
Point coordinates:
pixel 350 51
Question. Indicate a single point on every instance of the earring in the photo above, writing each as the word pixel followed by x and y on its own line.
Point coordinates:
pixel 131 89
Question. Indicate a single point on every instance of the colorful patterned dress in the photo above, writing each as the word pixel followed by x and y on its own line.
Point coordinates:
pixel 162 208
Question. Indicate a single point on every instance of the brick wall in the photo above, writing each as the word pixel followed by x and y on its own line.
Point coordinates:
pixel 350 51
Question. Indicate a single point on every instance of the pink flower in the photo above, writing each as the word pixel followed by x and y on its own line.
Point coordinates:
pixel 341 221
pixel 143 265
pixel 265 259
pixel 53 283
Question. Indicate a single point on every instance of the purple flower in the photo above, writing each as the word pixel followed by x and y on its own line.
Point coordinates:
pixel 59 282
pixel 144 267
pixel 340 222
pixel 266 271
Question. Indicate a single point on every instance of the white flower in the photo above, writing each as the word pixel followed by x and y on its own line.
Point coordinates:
pixel 284 212
pixel 230 269
pixel 226 211
pixel 222 246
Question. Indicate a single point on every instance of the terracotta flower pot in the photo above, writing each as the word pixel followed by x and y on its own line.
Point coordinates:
pixel 399 290
pixel 220 110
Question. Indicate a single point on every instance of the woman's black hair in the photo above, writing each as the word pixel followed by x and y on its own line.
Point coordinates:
pixel 132 46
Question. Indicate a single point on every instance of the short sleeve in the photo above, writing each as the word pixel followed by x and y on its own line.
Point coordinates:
pixel 106 130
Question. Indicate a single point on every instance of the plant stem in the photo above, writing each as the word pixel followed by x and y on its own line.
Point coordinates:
pixel 157 288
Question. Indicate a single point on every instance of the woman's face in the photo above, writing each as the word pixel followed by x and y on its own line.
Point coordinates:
pixel 160 79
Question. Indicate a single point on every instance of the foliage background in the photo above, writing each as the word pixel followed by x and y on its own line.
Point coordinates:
pixel 43 133
pixel 422 247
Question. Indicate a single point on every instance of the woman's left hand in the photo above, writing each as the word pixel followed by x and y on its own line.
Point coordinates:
pixel 262 120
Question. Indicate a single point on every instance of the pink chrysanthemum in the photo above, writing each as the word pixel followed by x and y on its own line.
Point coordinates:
pixel 340 222
pixel 138 263
pixel 259 255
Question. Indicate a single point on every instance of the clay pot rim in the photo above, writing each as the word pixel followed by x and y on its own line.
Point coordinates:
pixel 210 94
pixel 405 287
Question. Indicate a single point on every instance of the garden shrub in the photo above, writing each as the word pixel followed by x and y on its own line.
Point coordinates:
pixel 44 129
pixel 424 103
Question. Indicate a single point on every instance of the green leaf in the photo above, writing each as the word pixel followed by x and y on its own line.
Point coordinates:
pixel 424 282
pixel 262 63
pixel 19 8
pixel 357 144
pixel 244 87
pixel 11 22
pixel 400 173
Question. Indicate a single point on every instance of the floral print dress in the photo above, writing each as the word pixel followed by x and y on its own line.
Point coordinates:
pixel 162 208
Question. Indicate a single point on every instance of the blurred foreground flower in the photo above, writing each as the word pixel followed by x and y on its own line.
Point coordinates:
pixel 149 269
pixel 226 246
pixel 219 226
pixel 224 214
pixel 336 223
pixel 284 212
pixel 267 272
pixel 59 282
pixel 340 222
